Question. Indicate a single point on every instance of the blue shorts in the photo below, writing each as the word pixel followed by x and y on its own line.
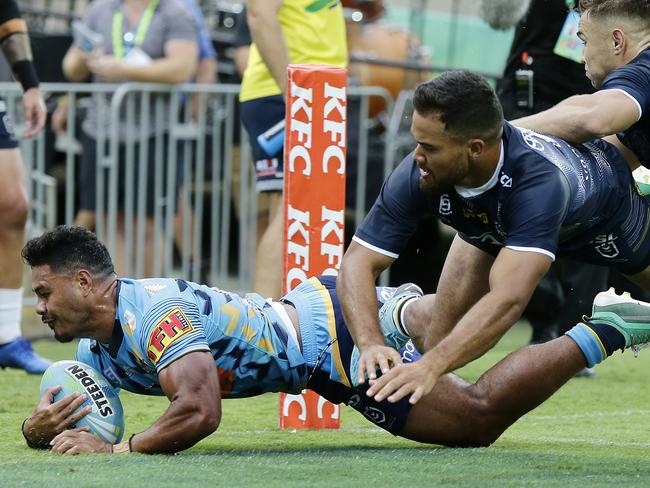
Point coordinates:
pixel 327 348
pixel 258 116
pixel 7 136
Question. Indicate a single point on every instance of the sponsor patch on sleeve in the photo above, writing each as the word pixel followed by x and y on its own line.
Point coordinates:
pixel 169 329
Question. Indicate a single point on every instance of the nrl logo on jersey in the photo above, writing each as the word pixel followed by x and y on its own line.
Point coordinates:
pixel 605 246
pixel 445 205
pixel 505 181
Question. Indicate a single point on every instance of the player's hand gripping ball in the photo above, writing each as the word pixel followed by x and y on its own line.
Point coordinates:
pixel 107 417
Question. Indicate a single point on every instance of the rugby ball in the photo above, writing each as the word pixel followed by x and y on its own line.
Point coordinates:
pixel 107 417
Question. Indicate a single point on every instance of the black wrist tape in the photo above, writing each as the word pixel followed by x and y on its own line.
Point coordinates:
pixel 25 74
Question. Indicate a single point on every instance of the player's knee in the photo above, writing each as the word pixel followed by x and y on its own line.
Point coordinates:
pixel 14 209
pixel 208 420
pixel 484 422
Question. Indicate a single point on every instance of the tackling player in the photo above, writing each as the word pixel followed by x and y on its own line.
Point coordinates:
pixel 517 198
pixel 197 345
pixel 616 34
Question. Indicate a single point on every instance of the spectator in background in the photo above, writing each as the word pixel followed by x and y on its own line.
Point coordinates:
pixel 206 74
pixel 543 68
pixel 16 351
pixel 283 32
pixel 156 42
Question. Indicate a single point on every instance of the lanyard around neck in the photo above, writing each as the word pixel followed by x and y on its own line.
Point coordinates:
pixel 141 32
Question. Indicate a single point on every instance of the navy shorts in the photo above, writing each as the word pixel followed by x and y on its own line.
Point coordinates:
pixel 258 116
pixel 327 348
pixel 7 136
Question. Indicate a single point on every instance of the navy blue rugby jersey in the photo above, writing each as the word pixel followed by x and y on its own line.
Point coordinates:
pixel 633 79
pixel 545 196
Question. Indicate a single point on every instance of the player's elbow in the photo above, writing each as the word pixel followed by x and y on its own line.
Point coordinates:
pixel 595 125
pixel 207 420
pixel 201 417
pixel 599 121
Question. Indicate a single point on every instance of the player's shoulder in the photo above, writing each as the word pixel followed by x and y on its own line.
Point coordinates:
pixel 527 151
pixel 404 179
pixel 138 299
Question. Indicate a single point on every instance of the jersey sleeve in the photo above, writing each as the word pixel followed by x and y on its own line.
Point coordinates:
pixel 634 80
pixel 180 24
pixel 486 245
pixel 394 216
pixel 171 329
pixel 534 213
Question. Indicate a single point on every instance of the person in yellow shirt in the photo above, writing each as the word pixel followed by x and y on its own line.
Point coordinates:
pixel 284 32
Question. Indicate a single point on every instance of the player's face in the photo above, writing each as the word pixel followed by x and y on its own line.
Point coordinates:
pixel 442 158
pixel 598 52
pixel 59 302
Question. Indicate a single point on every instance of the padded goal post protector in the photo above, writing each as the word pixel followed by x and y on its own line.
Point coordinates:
pixel 314 204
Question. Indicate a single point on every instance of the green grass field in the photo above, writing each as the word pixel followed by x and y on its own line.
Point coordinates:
pixel 594 432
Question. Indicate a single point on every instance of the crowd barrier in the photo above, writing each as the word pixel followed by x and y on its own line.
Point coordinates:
pixel 193 127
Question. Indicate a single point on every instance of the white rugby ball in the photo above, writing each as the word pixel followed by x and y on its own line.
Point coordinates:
pixel 107 417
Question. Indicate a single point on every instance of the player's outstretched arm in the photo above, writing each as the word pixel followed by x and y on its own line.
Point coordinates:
pixel 355 287
pixel 463 282
pixel 513 279
pixel 581 118
pixel 50 419
pixel 192 386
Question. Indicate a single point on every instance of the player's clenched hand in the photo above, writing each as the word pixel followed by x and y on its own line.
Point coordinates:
pixel 50 419
pixel 377 356
pixel 416 379
pixel 76 441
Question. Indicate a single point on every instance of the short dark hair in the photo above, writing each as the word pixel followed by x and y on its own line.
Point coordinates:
pixel 68 249
pixel 632 9
pixel 465 102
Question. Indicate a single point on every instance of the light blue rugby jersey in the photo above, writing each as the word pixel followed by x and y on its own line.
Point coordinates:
pixel 161 320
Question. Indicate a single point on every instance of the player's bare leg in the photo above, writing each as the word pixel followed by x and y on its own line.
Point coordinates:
pixel 267 277
pixel 458 413
pixel 15 351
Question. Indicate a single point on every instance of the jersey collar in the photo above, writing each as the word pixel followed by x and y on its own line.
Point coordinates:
pixel 474 192
pixel 118 333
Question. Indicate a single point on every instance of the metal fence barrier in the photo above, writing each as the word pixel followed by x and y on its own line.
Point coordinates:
pixel 193 132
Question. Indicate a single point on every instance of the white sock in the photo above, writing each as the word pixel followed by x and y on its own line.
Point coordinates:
pixel 11 307
pixel 401 324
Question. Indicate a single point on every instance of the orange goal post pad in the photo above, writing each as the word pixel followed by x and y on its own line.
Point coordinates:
pixel 314 204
